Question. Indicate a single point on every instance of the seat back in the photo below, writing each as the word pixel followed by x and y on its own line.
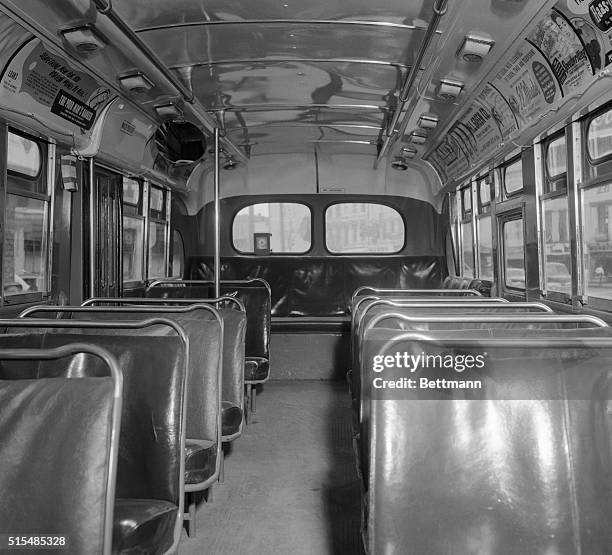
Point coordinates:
pixel 254 294
pixel 155 371
pixel 204 328
pixel 234 322
pixel 381 309
pixel 58 463
pixel 366 290
pixel 500 318
pixel 521 465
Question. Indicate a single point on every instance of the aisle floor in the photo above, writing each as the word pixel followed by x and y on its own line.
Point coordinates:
pixel 290 481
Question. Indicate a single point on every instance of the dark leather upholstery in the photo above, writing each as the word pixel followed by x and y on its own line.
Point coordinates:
pixel 255 297
pixel 203 394
pixel 143 526
pixel 458 282
pixel 231 416
pixel 256 369
pixel 323 286
pixel 152 434
pixel 232 395
pixel 200 460
pixel 451 474
pixel 55 462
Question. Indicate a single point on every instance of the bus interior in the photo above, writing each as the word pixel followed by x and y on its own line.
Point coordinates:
pixel 317 277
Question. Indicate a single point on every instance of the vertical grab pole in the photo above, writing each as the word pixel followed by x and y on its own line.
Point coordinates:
pixel 217 261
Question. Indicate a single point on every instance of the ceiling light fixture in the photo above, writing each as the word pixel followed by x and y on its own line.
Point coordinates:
pixel 428 121
pixel 449 89
pixel 418 136
pixel 136 82
pixel 474 48
pixel 408 151
pixel 85 39
pixel 169 110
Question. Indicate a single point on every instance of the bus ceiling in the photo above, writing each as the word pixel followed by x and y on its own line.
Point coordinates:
pixel 442 85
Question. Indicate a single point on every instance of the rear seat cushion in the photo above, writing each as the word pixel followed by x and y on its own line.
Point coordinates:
pixel 200 460
pixel 142 525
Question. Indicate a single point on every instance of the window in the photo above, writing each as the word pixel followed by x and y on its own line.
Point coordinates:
pixel 556 244
pixel 158 241
pixel 370 229
pixel 599 136
pixel 23 157
pixel 467 249
pixel 133 231
pixel 178 255
pixel 288 223
pixel 512 176
pixel 556 166
pixel 484 195
pixel 514 261
pixel 25 256
pixel 485 232
pixel 597 247
pixel 555 218
pixel 467 235
pixel 466 202
pixel 485 248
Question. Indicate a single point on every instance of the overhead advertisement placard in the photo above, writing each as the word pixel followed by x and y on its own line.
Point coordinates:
pixel 527 84
pixel 502 114
pixel 558 41
pixel 38 81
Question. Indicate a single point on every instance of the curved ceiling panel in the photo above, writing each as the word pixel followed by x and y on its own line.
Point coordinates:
pixel 142 14
pixel 235 42
pixel 303 115
pixel 294 84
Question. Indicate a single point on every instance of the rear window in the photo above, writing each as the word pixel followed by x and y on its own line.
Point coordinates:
pixel 362 227
pixel 272 228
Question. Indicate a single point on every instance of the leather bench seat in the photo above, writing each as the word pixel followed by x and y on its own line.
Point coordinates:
pixel 522 468
pixel 200 460
pixel 55 450
pixel 367 311
pixel 151 448
pixel 256 298
pixel 143 526
pixel 203 422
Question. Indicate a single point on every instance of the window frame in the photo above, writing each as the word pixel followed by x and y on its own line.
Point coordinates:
pixel 247 253
pixel 366 253
pixel 502 168
pixel 466 217
pixel 549 181
pixel 606 108
pixel 46 177
pixel 139 215
pixel 484 210
pixel 165 220
pixel 599 303
pixel 502 220
pixel 546 193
